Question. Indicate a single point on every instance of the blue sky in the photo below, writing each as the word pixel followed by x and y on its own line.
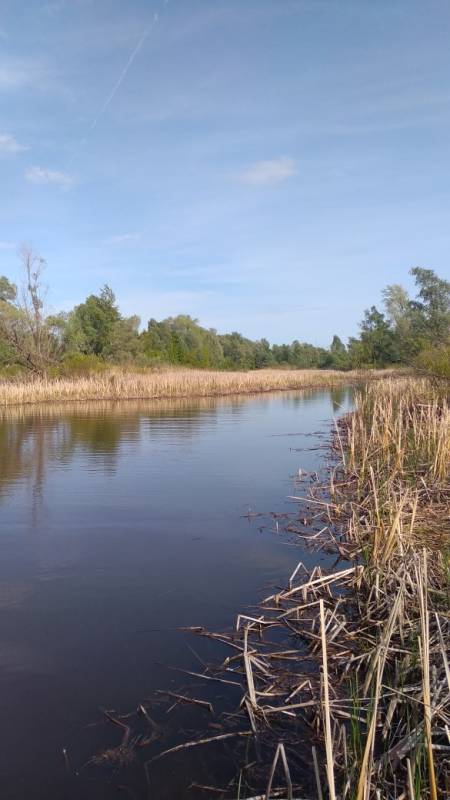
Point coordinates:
pixel 264 165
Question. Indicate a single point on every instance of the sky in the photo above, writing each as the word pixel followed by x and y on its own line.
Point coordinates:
pixel 267 166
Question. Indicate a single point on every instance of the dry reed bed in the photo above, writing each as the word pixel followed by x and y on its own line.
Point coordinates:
pixel 118 384
pixel 367 669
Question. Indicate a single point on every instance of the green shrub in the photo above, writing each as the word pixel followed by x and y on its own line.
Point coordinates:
pixel 11 371
pixel 79 365
pixel 435 361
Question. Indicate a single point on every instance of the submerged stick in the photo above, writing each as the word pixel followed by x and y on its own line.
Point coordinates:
pixel 184 699
pixel 197 742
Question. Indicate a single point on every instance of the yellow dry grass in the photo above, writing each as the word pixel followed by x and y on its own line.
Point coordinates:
pixel 118 384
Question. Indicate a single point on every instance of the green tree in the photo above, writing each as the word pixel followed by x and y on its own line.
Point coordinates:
pixel 8 291
pixel 238 351
pixel 263 356
pixel 124 344
pixel 181 340
pixel 396 303
pixel 377 339
pixel 432 317
pixel 357 353
pixel 402 318
pixel 93 321
pixel 338 356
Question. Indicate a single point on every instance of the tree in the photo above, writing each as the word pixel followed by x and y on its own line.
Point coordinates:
pixel 181 340
pixel 68 329
pixel 8 291
pixel 24 328
pixel 403 320
pixel 377 339
pixel 262 354
pixel 396 303
pixel 357 353
pixel 433 308
pixel 338 356
pixel 237 350
pixel 93 321
pixel 124 343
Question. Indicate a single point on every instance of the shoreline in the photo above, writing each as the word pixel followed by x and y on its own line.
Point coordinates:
pixel 375 629
pixel 116 385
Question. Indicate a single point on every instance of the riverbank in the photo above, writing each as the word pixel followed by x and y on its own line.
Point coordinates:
pixel 385 641
pixel 363 672
pixel 118 384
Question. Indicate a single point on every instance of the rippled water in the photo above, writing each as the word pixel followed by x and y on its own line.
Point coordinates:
pixel 119 523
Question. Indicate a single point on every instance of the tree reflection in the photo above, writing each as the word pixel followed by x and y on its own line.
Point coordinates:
pixel 33 439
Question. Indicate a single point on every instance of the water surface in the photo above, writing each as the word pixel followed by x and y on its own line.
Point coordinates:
pixel 120 523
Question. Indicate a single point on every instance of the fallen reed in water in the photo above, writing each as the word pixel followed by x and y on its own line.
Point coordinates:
pixel 120 384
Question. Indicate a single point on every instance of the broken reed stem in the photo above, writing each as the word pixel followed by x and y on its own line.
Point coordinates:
pixel 197 743
pixel 248 671
pixel 317 774
pixel 326 707
pixel 422 575
pixel 280 753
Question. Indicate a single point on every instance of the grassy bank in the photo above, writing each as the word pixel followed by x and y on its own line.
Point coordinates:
pixel 363 675
pixel 119 384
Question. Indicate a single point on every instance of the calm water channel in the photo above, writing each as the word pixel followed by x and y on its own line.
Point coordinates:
pixel 119 523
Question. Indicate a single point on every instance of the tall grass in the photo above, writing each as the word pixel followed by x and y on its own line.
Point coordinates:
pixel 393 494
pixel 118 384
pixel 397 467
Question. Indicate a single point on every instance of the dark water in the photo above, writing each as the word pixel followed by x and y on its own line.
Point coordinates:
pixel 120 522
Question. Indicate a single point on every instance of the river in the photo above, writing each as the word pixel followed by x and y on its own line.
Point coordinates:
pixel 120 523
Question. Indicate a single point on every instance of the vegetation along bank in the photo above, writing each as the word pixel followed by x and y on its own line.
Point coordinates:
pixel 365 664
pixel 115 383
pixel 95 335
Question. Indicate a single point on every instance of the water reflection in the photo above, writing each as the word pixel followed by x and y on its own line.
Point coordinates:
pixel 32 438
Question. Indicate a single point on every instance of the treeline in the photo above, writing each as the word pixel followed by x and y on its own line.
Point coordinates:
pixel 406 330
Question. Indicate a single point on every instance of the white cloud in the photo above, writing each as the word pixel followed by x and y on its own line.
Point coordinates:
pixel 26 73
pixel 7 246
pixel 263 173
pixel 49 176
pixel 16 75
pixel 9 145
pixel 123 238
pixel 12 78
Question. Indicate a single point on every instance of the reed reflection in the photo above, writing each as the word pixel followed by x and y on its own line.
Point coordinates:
pixel 34 438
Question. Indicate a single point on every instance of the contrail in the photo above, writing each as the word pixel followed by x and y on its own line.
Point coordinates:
pixel 116 86
pixel 123 74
